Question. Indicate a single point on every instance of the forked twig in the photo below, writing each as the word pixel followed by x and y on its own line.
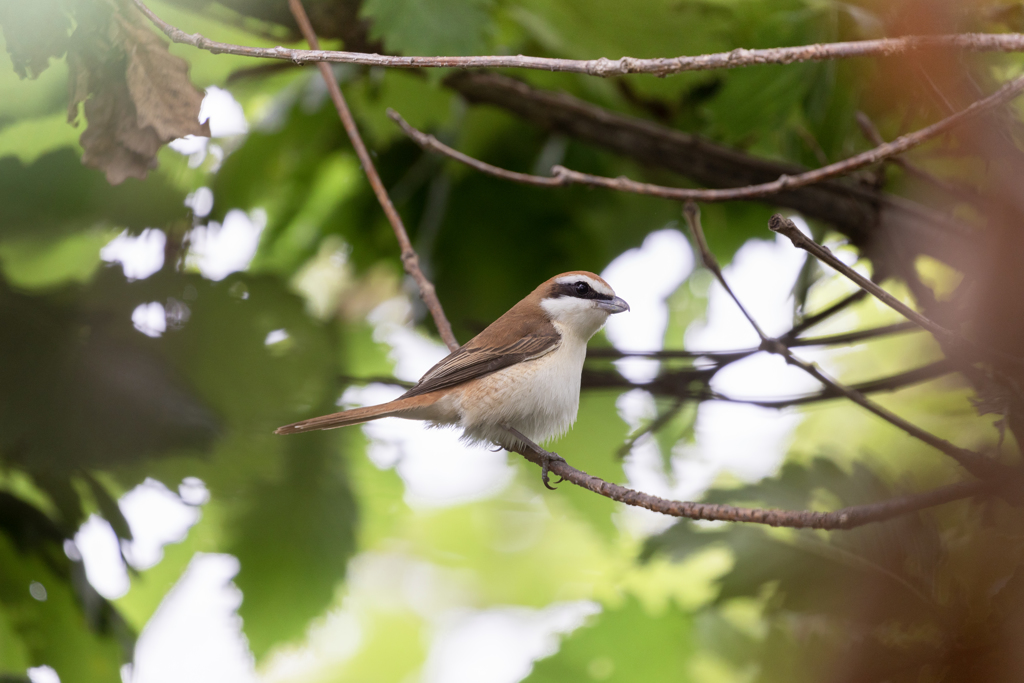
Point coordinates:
pixel 975 463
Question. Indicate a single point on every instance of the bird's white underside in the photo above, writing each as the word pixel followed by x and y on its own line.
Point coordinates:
pixel 539 397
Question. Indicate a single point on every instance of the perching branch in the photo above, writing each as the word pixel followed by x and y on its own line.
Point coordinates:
pixel 604 67
pixel 409 258
pixel 561 175
pixel 846 518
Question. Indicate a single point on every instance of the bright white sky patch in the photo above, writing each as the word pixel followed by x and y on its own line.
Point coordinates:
pixel 43 674
pixel 225 114
pixel 200 201
pixel 219 250
pixel 500 645
pixel 195 635
pixel 157 516
pixel 193 491
pixel 226 118
pixel 140 256
pixel 150 319
pixel 275 336
pixel 97 543
pixel 644 277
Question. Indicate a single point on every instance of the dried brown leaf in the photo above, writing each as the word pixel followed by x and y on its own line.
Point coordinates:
pixel 137 95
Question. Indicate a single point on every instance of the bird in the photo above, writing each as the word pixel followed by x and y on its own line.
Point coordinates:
pixel 517 383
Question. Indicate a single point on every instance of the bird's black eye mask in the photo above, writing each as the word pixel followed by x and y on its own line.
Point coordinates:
pixel 579 289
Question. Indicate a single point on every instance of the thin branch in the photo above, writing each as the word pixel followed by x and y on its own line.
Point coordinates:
pixel 430 143
pixel 729 356
pixel 654 425
pixel 564 176
pixel 692 213
pixel 785 227
pixel 853 337
pixel 409 258
pixel 855 209
pixel 815 318
pixel 890 383
pixel 867 127
pixel 886 47
pixel 975 463
pixel 882 152
pixel 846 518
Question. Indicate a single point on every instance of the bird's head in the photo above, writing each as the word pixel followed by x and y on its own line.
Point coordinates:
pixel 579 302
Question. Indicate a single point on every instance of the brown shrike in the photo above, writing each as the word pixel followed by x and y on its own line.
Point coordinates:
pixel 520 377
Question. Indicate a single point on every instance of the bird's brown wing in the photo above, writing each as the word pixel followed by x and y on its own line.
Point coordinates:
pixel 472 361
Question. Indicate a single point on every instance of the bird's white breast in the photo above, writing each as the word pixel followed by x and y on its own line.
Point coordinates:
pixel 539 397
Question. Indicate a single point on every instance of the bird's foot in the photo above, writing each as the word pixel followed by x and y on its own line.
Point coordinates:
pixel 546 457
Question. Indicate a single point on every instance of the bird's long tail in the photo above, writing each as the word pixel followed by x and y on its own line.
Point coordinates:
pixel 353 417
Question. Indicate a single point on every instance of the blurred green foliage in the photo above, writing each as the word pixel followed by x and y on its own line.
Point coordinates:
pixel 90 407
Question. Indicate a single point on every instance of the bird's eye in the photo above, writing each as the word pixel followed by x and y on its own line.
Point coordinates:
pixel 582 288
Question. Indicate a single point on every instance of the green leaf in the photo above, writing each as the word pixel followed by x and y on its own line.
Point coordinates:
pixel 35 32
pixel 294 543
pixel 31 207
pixel 624 644
pixel 84 390
pixel 34 263
pixel 54 631
pixel 431 27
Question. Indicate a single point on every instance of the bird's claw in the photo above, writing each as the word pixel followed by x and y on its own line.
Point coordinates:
pixel 547 458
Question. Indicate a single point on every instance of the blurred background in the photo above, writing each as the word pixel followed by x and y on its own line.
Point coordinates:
pixel 164 307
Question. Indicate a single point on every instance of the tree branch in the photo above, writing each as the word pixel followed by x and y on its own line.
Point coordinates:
pixel 409 258
pixel 975 463
pixel 870 132
pixel 565 176
pixel 604 67
pixel 847 518
pixel 692 214
pixel 857 210
pixel 785 227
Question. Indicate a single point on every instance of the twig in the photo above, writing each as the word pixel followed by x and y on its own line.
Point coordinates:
pixel 564 176
pixel 815 318
pixel 681 383
pixel 653 426
pixel 890 383
pixel 975 463
pixel 430 143
pixel 828 340
pixel 886 47
pixel 409 258
pixel 692 213
pixel 785 227
pixel 846 518
pixel 867 127
pixel 854 209
pixel 560 175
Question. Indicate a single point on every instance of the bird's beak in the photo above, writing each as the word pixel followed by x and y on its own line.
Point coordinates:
pixel 616 305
